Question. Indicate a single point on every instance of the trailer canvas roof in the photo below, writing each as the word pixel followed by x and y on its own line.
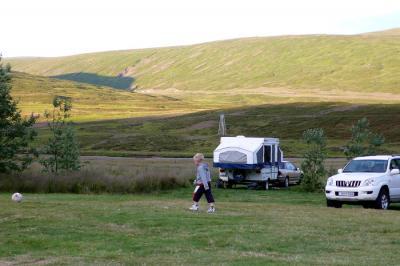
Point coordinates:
pixel 246 153
pixel 248 144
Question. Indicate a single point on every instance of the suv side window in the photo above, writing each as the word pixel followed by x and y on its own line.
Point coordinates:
pixel 397 161
pixel 395 164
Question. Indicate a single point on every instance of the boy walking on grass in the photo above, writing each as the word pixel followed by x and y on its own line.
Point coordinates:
pixel 202 183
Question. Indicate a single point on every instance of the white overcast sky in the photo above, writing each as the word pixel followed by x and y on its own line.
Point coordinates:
pixel 64 27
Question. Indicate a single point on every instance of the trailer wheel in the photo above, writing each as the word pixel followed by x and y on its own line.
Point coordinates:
pixel 267 184
pixel 219 184
pixel 227 184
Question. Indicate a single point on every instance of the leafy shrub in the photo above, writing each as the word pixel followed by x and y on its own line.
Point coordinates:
pixel 62 147
pixel 363 141
pixel 314 157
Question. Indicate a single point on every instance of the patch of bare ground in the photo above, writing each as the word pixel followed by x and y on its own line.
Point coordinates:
pixel 27 259
pixel 286 94
pixel 340 109
pixel 231 62
pixel 162 66
pixel 195 138
pixel 202 125
pixel 133 70
pixel 167 91
pixel 118 228
pixel 325 95
pixel 255 254
pixel 127 72
pixel 238 113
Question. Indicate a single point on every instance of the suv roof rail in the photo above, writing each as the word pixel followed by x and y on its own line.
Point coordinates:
pixel 395 155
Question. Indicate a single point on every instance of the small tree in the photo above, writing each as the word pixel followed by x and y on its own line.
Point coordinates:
pixel 70 156
pixel 314 156
pixel 16 133
pixel 363 141
pixel 62 147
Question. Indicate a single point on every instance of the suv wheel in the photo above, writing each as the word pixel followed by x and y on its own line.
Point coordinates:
pixel 333 204
pixel 382 202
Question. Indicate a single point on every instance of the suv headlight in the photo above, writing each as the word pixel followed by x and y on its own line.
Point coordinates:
pixel 330 181
pixel 368 182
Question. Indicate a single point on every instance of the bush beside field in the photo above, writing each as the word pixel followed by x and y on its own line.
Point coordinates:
pixel 120 175
pixel 97 178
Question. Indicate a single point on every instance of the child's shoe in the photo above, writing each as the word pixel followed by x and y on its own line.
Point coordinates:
pixel 194 207
pixel 211 209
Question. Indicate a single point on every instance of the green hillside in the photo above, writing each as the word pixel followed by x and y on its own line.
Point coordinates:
pixel 35 94
pixel 389 32
pixel 357 63
pixel 166 101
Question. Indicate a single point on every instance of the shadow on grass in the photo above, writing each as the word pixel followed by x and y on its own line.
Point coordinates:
pixel 119 82
pixel 395 207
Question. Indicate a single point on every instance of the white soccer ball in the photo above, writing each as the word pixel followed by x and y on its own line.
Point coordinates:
pixel 17 197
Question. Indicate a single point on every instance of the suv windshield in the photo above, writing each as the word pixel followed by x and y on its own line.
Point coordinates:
pixel 366 166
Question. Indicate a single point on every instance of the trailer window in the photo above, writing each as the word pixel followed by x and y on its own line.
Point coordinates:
pixel 260 155
pixel 232 157
pixel 267 154
pixel 273 154
pixel 279 155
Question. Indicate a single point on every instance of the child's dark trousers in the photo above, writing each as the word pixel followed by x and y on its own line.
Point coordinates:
pixel 200 191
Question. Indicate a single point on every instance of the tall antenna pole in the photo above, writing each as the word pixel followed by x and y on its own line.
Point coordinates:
pixel 222 126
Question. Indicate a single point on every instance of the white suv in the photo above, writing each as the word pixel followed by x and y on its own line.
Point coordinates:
pixel 373 181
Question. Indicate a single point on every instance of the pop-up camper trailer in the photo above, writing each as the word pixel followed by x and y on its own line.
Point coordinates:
pixel 248 160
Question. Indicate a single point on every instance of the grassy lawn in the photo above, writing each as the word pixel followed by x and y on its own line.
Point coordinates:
pixel 250 227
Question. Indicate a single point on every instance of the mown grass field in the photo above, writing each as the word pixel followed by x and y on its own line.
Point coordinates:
pixel 277 227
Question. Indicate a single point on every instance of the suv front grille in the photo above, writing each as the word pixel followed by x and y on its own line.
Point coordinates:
pixel 348 183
